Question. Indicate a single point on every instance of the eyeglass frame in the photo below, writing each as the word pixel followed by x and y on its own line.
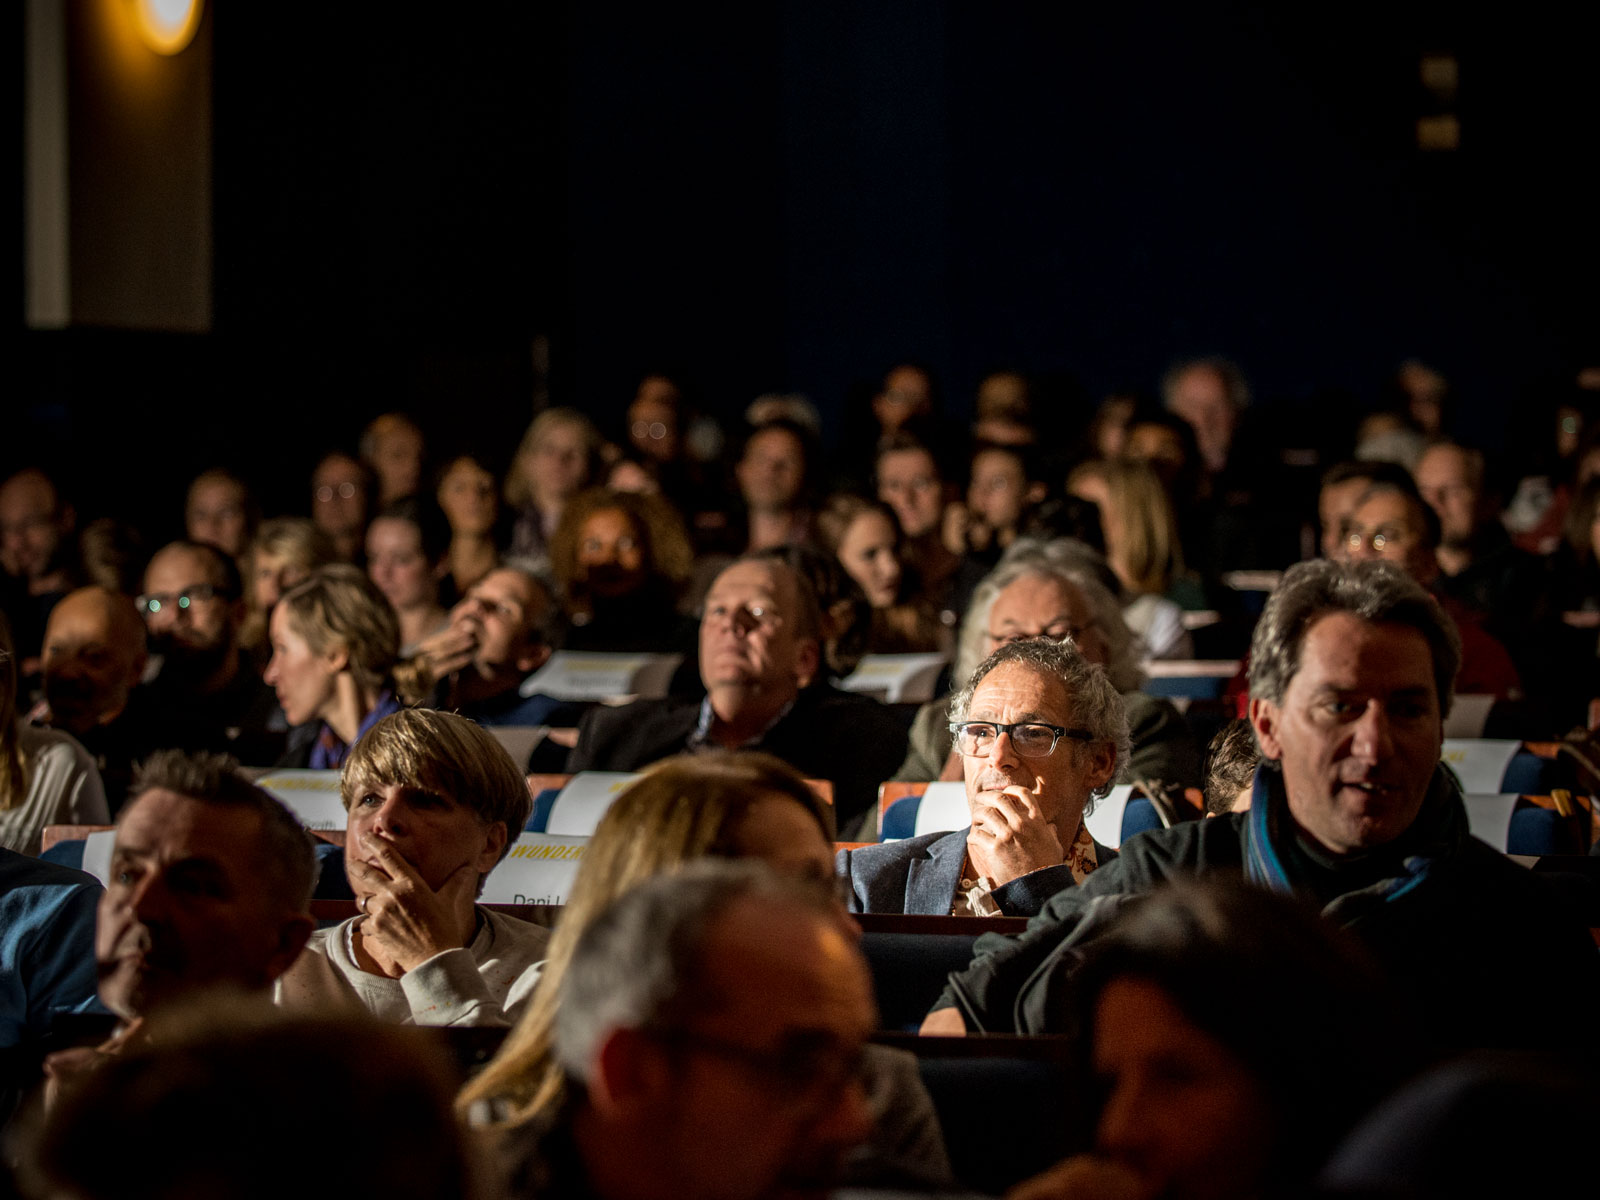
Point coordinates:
pixel 793 1068
pixel 999 727
pixel 183 600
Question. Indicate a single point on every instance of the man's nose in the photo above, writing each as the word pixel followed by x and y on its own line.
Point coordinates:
pixel 1371 741
pixel 1003 750
pixel 847 1121
pixel 1120 1126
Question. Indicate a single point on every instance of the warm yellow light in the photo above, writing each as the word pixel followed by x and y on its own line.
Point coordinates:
pixel 167 26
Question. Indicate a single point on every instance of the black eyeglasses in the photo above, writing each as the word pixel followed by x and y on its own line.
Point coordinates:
pixel 1032 739
pixel 153 602
pixel 804 1065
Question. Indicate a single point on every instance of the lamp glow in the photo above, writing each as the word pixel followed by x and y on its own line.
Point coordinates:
pixel 167 26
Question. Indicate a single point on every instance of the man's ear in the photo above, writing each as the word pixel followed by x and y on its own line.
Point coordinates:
pixel 495 838
pixel 631 1073
pixel 533 656
pixel 1102 764
pixel 807 658
pixel 293 934
pixel 1264 717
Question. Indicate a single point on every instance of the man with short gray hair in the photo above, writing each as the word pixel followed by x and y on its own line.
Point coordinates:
pixel 711 1027
pixel 1352 668
pixel 1042 733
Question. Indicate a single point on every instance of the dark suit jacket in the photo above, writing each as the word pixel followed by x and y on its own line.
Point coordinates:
pixel 851 740
pixel 921 875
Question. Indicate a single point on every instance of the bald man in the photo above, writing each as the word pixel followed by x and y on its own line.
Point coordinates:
pixel 94 654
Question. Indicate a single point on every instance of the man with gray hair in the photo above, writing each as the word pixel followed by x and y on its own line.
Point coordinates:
pixel 1041 733
pixel 1053 590
pixel 711 1027
pixel 1351 675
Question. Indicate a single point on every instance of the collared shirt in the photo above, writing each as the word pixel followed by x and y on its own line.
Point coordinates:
pixel 973 893
pixel 700 739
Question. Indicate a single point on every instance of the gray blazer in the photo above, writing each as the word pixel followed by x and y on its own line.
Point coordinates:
pixel 921 875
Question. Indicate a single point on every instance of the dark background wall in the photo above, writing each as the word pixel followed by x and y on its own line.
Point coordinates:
pixel 796 195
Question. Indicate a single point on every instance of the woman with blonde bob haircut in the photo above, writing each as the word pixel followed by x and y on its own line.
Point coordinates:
pixel 336 665
pixel 715 805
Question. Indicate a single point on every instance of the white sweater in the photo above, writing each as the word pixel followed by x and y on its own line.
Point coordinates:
pixel 63 789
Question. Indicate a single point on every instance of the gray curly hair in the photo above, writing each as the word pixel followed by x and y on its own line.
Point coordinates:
pixel 1069 561
pixel 1096 704
pixel 1374 591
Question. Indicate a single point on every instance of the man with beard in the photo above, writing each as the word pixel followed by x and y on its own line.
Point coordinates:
pixel 205 697
pixel 1041 732
pixel 94 654
pixel 209 887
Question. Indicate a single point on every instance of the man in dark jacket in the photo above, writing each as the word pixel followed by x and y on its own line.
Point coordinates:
pixel 1351 674
pixel 759 658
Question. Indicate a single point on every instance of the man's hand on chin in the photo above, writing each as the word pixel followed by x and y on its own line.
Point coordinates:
pixel 1010 836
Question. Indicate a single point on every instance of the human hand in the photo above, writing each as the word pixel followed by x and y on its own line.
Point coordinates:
pixel 1010 836
pixel 1083 1177
pixel 449 650
pixel 407 922
pixel 943 1022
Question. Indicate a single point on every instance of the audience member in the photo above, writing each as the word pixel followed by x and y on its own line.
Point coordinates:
pixel 845 611
pixel 220 1108
pixel 1391 522
pixel 466 493
pixel 1026 792
pixel 94 655
pixel 1231 761
pixel 1142 547
pixel 435 803
pixel 46 956
pixel 760 661
pixel 906 398
pixel 1351 672
pixel 557 459
pixel 1342 487
pixel 284 553
pixel 1005 482
pixel 499 634
pixel 206 695
pixel 1210 394
pixel 746 806
pixel 408 544
pixel 219 511
pixel 1054 590
pixel 336 665
pixel 1190 1016
pixel 864 538
pixel 712 1023
pixel 36 567
pixel 622 561
pixel 46 778
pixel 209 888
pixel 1004 410
pixel 907 478
pixel 393 449
pixel 341 502
pixel 111 555
pixel 772 473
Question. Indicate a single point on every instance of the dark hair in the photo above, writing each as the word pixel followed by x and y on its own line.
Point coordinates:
pixel 1356 468
pixel 1290 995
pixel 214 780
pixel 1231 760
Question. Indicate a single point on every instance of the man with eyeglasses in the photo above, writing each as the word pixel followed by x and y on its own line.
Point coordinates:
pixel 1041 733
pixel 760 658
pixel 1392 523
pixel 205 695
pixel 341 490
pixel 1351 670
pixel 711 1029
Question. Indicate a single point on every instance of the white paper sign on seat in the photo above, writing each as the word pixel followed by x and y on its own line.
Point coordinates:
pixel 1105 822
pixel 1468 715
pixel 313 796
pixel 1489 817
pixel 897 678
pixel 1480 763
pixel 585 675
pixel 943 808
pixel 539 870
pixel 584 801
pixel 97 854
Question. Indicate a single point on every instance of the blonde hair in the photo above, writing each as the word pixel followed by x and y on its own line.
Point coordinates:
pixel 13 764
pixel 518 491
pixel 296 540
pixel 446 754
pixel 339 607
pixel 1141 529
pixel 683 809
